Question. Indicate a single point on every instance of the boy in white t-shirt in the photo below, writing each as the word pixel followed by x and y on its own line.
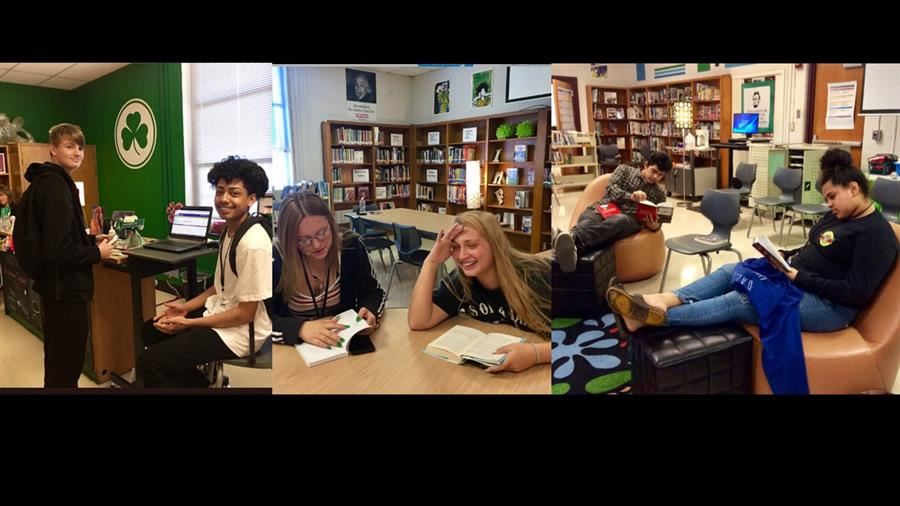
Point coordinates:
pixel 215 324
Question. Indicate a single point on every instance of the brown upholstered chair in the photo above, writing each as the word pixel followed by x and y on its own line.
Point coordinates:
pixel 863 358
pixel 638 257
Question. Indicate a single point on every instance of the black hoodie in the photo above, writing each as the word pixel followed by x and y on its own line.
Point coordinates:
pixel 65 246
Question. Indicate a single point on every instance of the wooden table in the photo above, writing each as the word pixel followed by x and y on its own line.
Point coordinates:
pixel 400 366
pixel 428 224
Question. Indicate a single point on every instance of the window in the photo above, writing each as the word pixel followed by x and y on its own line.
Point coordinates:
pixel 282 166
pixel 227 112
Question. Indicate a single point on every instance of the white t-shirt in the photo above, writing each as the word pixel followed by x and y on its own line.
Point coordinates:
pixel 253 283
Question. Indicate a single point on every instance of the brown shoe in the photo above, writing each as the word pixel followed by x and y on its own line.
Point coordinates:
pixel 634 307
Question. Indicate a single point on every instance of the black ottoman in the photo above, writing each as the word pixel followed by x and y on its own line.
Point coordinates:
pixel 583 292
pixel 701 360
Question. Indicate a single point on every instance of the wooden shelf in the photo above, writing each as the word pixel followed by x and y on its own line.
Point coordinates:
pixel 510 185
pixel 364 164
pixel 509 208
pixel 430 200
pixel 390 164
pixel 340 185
pixel 592 164
pixel 431 182
pixel 351 145
pixel 511 139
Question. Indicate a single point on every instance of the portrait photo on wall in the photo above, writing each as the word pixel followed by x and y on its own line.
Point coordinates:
pixel 482 88
pixel 360 86
pixel 442 97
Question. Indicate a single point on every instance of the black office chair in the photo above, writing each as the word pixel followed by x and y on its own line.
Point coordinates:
pixel 744 177
pixel 887 193
pixel 372 241
pixel 257 359
pixel 788 181
pixel 724 211
pixel 409 243
pixel 609 157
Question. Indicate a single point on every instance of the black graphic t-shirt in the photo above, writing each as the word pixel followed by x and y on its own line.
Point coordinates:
pixel 486 305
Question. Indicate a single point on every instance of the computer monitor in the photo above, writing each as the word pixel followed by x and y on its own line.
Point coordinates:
pixel 745 123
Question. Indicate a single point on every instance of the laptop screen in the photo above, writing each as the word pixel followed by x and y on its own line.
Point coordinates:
pixel 191 222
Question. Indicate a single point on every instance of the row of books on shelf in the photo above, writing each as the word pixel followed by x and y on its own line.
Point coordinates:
pixel 609 97
pixel 707 92
pixel 661 128
pixel 391 191
pixel 610 113
pixel 395 173
pixel 456 194
pixel 708 112
pixel 431 155
pixel 514 176
pixel 356 175
pixel 560 138
pixel 620 142
pixel 424 192
pixel 390 155
pixel 635 112
pixel 351 194
pixel 461 154
pixel 636 128
pixel 343 135
pixel 659 113
pixel 430 208
pixel 713 127
pixel 345 155
pixel 320 188
pixel 508 220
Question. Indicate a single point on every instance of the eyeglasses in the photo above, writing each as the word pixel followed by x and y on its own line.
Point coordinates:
pixel 320 236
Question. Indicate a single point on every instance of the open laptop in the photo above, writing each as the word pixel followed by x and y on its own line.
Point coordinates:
pixel 188 230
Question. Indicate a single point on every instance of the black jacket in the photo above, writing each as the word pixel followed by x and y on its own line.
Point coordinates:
pixel 68 250
pixel 359 289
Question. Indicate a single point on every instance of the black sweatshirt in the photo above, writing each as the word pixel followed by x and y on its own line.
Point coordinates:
pixel 845 261
pixel 68 250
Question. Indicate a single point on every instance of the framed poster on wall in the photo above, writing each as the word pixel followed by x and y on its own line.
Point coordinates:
pixel 759 97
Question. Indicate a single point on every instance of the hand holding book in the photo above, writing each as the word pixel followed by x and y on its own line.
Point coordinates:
pixel 768 249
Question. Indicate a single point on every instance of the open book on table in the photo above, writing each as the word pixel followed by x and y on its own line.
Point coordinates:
pixel 350 343
pixel 768 249
pixel 465 343
pixel 662 211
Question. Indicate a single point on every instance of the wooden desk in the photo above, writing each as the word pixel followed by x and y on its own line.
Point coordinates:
pixel 428 224
pixel 143 263
pixel 400 366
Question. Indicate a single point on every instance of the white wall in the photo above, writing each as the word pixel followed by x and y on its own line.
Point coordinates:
pixel 890 137
pixel 619 75
pixel 788 128
pixel 317 94
pixel 461 95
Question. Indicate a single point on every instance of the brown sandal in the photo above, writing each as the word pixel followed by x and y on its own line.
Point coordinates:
pixel 634 307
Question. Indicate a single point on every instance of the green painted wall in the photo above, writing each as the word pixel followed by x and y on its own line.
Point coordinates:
pixel 149 189
pixel 41 108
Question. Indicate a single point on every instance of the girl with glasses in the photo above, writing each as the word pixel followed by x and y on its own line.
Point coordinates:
pixel 319 272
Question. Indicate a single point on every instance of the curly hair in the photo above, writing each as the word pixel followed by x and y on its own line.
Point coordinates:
pixel 254 177
pixel 661 160
pixel 837 167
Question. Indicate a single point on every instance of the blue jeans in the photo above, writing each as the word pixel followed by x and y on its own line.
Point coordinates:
pixel 712 299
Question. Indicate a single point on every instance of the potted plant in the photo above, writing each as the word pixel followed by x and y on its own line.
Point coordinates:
pixel 504 131
pixel 525 129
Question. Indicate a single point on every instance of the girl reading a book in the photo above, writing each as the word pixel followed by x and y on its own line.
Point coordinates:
pixel 319 272
pixel 849 253
pixel 492 282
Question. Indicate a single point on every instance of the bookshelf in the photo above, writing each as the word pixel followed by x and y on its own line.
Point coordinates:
pixel 573 156
pixel 436 156
pixel 366 160
pixel 609 113
pixel 649 117
pixel 18 156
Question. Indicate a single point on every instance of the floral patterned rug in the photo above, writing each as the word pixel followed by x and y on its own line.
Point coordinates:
pixel 590 357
